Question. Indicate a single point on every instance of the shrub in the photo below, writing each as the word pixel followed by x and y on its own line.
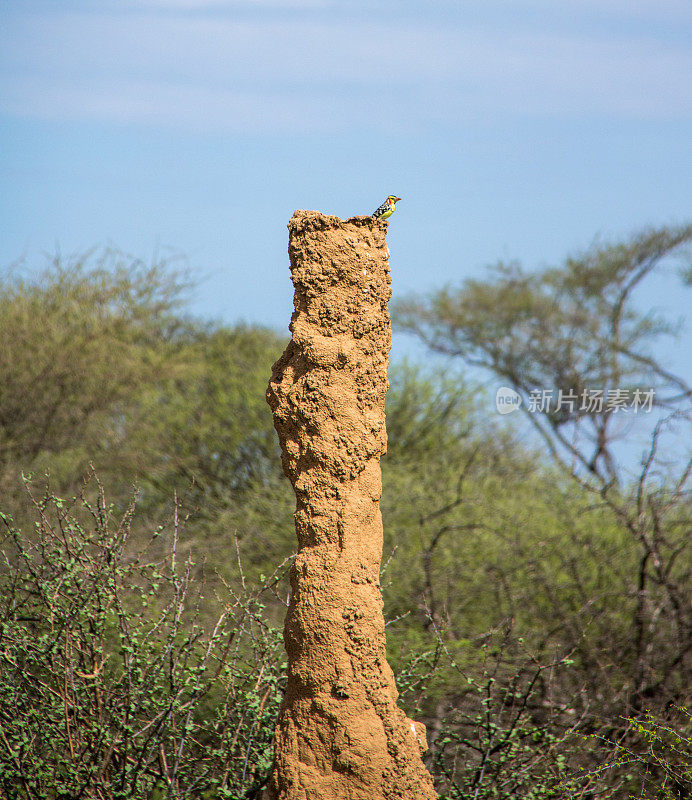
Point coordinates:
pixel 112 682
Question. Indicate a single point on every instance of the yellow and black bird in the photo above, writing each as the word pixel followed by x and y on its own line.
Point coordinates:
pixel 387 208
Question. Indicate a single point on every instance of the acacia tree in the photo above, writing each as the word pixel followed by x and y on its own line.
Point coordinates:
pixel 79 338
pixel 568 331
pixel 101 364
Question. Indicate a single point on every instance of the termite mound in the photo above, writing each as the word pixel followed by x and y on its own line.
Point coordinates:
pixel 340 733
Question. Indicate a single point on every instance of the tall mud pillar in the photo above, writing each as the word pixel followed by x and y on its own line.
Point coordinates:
pixel 340 734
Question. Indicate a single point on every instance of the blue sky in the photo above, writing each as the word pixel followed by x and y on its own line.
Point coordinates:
pixel 515 129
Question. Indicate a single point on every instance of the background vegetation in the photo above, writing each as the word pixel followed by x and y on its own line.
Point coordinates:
pixel 538 588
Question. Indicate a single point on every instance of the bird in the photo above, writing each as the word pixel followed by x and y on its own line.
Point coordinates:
pixel 387 208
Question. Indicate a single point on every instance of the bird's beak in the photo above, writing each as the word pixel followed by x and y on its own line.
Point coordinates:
pixel 396 200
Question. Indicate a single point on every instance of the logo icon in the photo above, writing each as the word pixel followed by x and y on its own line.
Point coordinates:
pixel 507 400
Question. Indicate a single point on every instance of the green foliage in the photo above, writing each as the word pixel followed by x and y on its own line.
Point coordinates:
pixel 205 429
pixel 102 367
pixel 660 747
pixel 110 685
pixel 566 329
pixel 77 340
pixel 508 564
pixel 488 535
pixel 205 422
pixel 493 745
pixel 494 734
pixel 582 552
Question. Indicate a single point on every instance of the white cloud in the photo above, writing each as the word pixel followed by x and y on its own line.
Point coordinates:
pixel 654 10
pixel 223 5
pixel 327 73
pixel 195 108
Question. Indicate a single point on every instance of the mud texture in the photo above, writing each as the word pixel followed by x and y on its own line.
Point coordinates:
pixel 340 734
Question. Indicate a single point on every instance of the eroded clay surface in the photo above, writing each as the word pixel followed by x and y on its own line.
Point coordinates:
pixel 341 735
